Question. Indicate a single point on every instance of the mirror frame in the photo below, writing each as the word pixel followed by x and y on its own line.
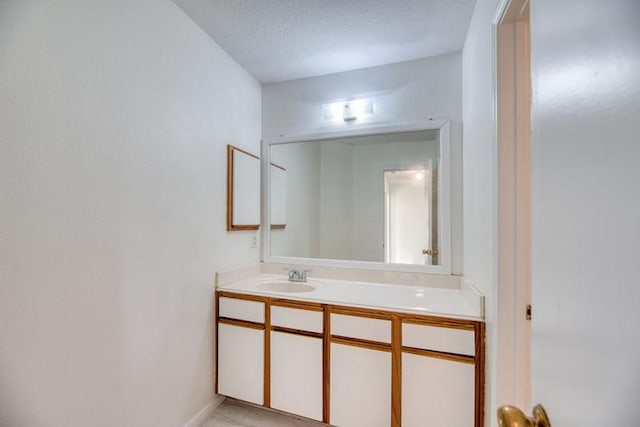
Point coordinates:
pixel 444 202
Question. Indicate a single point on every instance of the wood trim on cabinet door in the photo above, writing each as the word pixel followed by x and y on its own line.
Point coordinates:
pixel 246 297
pixel 241 323
pixel 415 319
pixel 299 305
pixel 396 371
pixel 267 355
pixel 358 342
pixel 440 355
pixel 361 312
pixel 326 363
pixel 480 373
pixel 217 341
pixel 297 332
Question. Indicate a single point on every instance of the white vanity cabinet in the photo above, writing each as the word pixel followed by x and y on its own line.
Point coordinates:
pixel 240 349
pixel 350 366
pixel 437 392
pixel 296 361
pixel 296 374
pixel 360 386
pixel 438 375
pixel 241 362
pixel 360 377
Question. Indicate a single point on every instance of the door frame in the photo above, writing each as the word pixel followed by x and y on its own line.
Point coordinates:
pixel 512 83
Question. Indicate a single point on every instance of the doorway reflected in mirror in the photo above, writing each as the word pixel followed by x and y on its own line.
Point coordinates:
pixel 410 217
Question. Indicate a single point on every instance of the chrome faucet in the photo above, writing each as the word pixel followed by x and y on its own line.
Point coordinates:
pixel 297 276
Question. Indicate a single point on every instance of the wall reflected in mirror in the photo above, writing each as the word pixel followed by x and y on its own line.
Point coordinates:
pixel 364 198
pixel 278 194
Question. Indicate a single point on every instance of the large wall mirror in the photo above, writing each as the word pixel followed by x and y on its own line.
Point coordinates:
pixel 374 200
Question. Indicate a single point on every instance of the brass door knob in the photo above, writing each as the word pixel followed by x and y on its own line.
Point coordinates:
pixel 510 416
pixel 429 252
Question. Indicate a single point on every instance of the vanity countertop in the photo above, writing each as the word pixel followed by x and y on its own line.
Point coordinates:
pixel 463 302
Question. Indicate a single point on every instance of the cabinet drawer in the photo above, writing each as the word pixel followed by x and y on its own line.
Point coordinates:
pixel 437 338
pixel 294 318
pixel 361 327
pixel 240 309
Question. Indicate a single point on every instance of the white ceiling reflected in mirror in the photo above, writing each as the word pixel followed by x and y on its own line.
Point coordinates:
pixel 372 199
pixel 243 190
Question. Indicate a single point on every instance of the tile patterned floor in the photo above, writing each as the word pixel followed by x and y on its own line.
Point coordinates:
pixel 237 414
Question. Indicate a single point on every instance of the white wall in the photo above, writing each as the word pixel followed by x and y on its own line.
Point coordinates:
pixel 300 236
pixel 336 201
pixel 406 92
pixel 586 207
pixel 479 159
pixel 113 122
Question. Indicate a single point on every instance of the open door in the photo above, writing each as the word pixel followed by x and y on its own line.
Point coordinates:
pixel 408 216
pixel 513 79
pixel 574 232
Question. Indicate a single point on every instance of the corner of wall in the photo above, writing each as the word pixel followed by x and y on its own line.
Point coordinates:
pixel 204 413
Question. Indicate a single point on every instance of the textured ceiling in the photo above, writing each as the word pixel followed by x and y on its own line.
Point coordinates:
pixel 278 40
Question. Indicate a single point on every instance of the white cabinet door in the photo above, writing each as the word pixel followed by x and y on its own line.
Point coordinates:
pixel 296 374
pixel 241 363
pixel 360 387
pixel 437 392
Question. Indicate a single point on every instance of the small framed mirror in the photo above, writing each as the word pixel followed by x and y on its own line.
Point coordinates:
pixel 243 190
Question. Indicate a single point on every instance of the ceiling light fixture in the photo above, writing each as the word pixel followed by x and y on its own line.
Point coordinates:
pixel 347 111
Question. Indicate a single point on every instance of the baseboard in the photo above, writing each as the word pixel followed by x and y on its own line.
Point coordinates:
pixel 205 412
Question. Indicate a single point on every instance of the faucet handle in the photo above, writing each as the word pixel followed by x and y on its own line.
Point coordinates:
pixel 294 275
pixel 303 274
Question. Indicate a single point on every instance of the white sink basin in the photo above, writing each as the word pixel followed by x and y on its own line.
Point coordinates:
pixel 286 287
